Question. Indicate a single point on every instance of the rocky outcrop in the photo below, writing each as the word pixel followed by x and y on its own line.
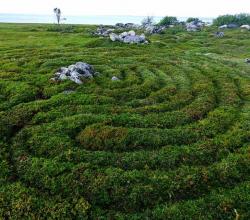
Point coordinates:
pixel 129 38
pixel 76 73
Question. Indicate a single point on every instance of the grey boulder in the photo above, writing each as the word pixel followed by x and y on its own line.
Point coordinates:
pixel 75 72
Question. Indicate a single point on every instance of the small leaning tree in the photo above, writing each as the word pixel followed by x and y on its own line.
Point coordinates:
pixel 58 13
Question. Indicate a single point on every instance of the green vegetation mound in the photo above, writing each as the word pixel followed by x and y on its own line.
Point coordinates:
pixel 239 19
pixel 169 140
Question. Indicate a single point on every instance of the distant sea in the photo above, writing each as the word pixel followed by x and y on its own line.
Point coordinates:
pixel 106 20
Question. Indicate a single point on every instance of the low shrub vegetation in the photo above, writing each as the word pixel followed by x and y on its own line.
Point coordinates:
pixel 168 20
pixel 239 19
pixel 169 140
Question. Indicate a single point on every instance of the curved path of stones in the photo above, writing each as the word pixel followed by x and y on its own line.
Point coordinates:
pixel 173 130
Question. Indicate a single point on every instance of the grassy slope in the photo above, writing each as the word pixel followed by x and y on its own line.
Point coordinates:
pixel 168 141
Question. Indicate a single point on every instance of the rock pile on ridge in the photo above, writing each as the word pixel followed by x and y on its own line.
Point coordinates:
pixel 76 73
pixel 129 38
pixel 103 31
pixel 194 26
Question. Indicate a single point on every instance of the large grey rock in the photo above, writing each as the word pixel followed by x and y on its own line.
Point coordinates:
pixel 75 72
pixel 123 35
pixel 232 26
pixel 114 37
pixel 134 39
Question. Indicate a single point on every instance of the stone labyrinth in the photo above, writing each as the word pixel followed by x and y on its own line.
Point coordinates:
pixel 170 135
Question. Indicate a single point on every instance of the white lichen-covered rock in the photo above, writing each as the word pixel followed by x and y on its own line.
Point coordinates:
pixel 223 26
pixel 245 26
pixel 131 33
pixel 75 72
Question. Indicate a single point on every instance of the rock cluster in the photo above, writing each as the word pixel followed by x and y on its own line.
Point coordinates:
pixel 126 26
pixel 129 38
pixel 194 26
pixel 75 72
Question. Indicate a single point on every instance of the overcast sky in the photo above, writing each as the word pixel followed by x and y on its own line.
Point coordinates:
pixel 180 8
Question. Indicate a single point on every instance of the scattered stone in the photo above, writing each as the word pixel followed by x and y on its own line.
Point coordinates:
pixel 75 72
pixel 223 26
pixel 114 78
pixel 219 34
pixel 247 60
pixel 154 29
pixel 104 32
pixel 126 26
pixel 66 92
pixel 246 26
